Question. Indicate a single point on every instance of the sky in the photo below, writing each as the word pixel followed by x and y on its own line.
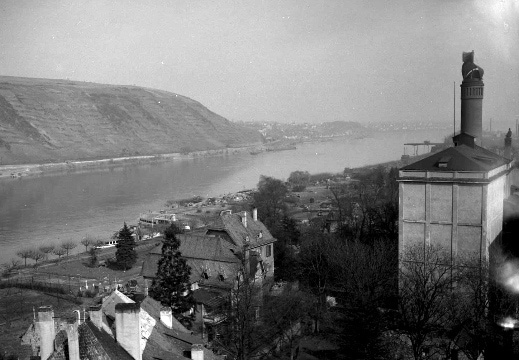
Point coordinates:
pixel 274 60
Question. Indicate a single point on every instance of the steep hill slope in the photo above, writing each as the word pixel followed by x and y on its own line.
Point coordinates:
pixel 44 121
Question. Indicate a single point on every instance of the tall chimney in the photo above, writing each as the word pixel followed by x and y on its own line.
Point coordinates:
pixel 255 214
pixel 128 328
pixel 472 97
pixel 47 331
pixel 73 340
pixel 197 352
pixel 166 317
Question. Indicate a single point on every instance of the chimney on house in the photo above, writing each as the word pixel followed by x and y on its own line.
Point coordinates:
pixel 128 328
pixel 166 317
pixel 73 340
pixel 246 258
pixel 47 331
pixel 508 144
pixel 96 315
pixel 244 219
pixel 255 214
pixel 197 352
pixel 472 97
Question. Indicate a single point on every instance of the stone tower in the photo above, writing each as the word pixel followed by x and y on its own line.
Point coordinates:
pixel 472 97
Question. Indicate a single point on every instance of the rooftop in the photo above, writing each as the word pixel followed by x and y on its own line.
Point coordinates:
pixel 460 158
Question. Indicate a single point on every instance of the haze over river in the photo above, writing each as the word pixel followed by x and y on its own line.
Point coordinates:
pixel 67 206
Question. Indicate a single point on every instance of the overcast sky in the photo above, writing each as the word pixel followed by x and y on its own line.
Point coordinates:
pixel 297 60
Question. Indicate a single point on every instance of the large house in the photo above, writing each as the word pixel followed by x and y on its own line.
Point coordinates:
pixel 233 245
pixel 120 328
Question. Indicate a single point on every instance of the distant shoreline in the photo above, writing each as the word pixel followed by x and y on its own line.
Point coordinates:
pixel 23 170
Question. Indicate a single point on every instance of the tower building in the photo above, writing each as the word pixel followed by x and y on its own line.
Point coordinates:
pixel 454 198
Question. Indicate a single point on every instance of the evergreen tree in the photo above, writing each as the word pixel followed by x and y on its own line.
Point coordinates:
pixel 172 286
pixel 125 255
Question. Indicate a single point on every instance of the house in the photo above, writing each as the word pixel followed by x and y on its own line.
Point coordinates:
pixel 218 254
pixel 119 328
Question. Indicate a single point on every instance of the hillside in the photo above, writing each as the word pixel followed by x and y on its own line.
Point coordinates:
pixel 45 121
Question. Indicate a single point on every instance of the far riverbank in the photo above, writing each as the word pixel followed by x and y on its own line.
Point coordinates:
pixel 22 170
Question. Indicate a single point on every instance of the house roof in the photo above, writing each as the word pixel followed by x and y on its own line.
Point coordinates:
pixel 208 254
pixel 460 158
pixel 210 297
pixel 152 307
pixel 256 233
pixel 104 340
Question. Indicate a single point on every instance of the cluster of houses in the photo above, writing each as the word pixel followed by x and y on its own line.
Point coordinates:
pixel 233 246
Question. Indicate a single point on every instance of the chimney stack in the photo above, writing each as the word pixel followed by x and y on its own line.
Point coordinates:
pixel 128 328
pixel 508 144
pixel 244 219
pixel 166 317
pixel 96 315
pixel 255 214
pixel 197 352
pixel 472 97
pixel 73 340
pixel 47 331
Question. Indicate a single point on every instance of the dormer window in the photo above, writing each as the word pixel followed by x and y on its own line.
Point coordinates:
pixel 221 277
pixel 444 162
pixel 205 275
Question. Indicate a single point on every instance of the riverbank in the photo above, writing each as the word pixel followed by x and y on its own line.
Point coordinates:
pixel 18 171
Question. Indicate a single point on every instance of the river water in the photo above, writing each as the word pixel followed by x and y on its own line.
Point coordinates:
pixel 67 206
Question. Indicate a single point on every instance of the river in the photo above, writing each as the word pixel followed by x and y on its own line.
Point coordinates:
pixel 53 208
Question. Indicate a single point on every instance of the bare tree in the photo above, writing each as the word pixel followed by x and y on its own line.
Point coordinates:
pixel 87 241
pixel 25 254
pixel 46 249
pixel 68 245
pixel 59 252
pixel 316 272
pixel 282 316
pixel 427 303
pixel 252 328
pixel 36 256
pixel 9 267
pixel 364 278
pixel 474 318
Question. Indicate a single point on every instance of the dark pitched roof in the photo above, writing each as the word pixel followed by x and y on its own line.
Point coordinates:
pixel 256 233
pixel 102 341
pixel 212 298
pixel 460 158
pixel 203 254
pixel 207 247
